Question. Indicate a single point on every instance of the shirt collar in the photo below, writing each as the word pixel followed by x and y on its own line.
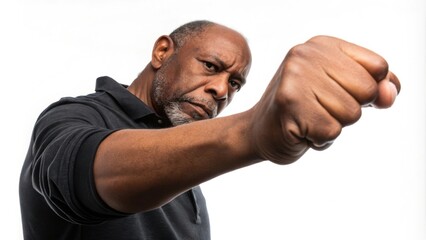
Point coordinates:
pixel 132 105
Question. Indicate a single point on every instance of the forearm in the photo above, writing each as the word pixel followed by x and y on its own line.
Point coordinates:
pixel 138 170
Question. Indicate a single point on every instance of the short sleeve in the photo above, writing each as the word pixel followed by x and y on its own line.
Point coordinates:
pixel 65 140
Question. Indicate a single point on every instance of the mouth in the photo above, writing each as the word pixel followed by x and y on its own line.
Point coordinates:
pixel 202 110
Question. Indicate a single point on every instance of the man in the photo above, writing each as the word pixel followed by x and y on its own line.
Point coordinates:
pixel 126 162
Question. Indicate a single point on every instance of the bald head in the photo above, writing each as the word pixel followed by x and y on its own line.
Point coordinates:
pixel 193 29
pixel 188 30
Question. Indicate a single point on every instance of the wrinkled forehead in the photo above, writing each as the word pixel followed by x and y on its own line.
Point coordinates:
pixel 224 43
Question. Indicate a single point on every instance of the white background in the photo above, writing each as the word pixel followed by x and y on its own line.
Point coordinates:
pixel 369 185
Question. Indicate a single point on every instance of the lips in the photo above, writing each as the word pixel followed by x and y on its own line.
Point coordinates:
pixel 202 110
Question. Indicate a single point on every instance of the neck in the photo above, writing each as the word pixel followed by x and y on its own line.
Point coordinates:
pixel 141 86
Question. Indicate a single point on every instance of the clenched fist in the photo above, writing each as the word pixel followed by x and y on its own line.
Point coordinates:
pixel 319 88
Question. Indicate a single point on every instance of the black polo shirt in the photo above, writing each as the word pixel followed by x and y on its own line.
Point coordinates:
pixel 57 191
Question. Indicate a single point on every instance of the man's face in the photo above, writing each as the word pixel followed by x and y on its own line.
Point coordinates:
pixel 200 79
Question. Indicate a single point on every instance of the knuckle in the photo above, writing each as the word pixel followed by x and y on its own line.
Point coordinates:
pixel 354 114
pixel 370 92
pixel 288 90
pixel 329 132
pixel 324 133
pixel 319 39
pixel 380 68
pixel 349 113
pixel 323 42
pixel 332 132
pixel 300 50
pixel 287 96
pixel 296 49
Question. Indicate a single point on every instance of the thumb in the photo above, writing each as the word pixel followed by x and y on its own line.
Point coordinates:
pixel 388 89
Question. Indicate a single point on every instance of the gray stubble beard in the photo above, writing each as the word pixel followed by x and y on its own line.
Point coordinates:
pixel 175 114
pixel 172 109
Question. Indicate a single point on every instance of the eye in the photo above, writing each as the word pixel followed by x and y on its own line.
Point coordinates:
pixel 235 85
pixel 210 66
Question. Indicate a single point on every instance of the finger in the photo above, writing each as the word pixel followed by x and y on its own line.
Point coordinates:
pixel 371 61
pixel 342 68
pixel 387 92
pixel 388 85
pixel 351 76
pixel 318 127
pixel 394 79
pixel 338 103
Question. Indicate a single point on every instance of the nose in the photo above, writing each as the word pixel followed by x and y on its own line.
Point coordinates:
pixel 218 88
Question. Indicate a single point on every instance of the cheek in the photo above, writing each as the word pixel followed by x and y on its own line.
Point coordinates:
pixel 191 84
pixel 172 83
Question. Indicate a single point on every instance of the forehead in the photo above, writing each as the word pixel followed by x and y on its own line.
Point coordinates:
pixel 223 43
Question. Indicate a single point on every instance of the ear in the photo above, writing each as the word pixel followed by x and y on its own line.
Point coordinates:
pixel 163 48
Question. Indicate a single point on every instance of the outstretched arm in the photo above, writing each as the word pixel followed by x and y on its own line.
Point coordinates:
pixel 319 88
pixel 138 170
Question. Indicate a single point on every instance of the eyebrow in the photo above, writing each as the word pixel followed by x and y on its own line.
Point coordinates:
pixel 236 75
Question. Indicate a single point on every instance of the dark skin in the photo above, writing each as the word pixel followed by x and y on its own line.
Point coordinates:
pixel 319 88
